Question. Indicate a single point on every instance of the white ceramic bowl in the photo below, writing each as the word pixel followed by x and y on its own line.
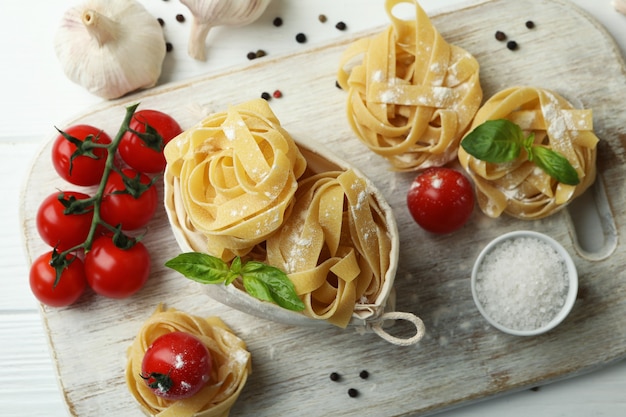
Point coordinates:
pixel 572 277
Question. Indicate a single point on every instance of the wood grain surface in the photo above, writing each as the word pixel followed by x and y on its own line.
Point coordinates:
pixel 461 359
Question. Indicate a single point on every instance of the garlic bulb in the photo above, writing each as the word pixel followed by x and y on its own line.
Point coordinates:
pixel 110 47
pixel 210 13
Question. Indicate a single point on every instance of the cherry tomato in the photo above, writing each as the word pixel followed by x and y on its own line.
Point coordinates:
pixel 60 230
pixel 176 365
pixel 134 150
pixel 114 272
pixel 82 170
pixel 441 200
pixel 70 287
pixel 132 213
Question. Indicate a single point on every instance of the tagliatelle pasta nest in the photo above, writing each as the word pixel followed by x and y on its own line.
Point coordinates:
pixel 314 217
pixel 231 365
pixel 235 175
pixel 411 95
pixel 520 188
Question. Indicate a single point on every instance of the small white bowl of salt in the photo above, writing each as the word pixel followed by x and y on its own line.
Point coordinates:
pixel 524 283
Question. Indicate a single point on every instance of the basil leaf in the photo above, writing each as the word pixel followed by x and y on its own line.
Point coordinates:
pixel 554 164
pixel 235 271
pixel 257 288
pixel 268 283
pixel 494 141
pixel 260 280
pixel 200 267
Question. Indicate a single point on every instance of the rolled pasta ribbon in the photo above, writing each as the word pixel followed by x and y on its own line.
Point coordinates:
pixel 236 173
pixel 335 246
pixel 231 365
pixel 519 188
pixel 411 96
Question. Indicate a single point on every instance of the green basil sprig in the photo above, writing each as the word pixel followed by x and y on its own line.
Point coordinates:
pixel 260 280
pixel 498 141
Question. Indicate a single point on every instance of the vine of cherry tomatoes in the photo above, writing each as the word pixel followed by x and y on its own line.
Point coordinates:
pixel 88 232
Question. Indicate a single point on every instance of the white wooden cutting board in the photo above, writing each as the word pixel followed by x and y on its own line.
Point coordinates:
pixel 461 359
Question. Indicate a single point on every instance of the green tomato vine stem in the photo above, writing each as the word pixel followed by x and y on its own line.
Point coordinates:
pixel 109 166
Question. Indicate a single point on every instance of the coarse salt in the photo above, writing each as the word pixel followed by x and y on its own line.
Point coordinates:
pixel 522 283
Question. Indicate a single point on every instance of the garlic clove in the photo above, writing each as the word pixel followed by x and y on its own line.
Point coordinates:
pixel 620 6
pixel 110 47
pixel 210 13
pixel 197 38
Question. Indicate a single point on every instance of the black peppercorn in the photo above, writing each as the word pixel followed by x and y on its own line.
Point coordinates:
pixel 277 22
pixel 169 47
pixel 266 96
pixel 251 55
pixel 301 38
pixel 260 53
pixel 335 376
pixel 341 26
pixel 512 45
pixel 322 18
pixel 500 35
pixel 364 374
pixel 180 18
pixel 352 392
pixel 530 24
pixel 161 21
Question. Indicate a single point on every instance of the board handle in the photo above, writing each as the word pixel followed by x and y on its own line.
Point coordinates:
pixel 377 327
pixel 592 223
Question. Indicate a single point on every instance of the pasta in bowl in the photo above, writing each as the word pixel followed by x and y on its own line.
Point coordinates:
pixel 299 209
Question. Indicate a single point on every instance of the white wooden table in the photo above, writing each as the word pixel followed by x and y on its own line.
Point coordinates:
pixel 35 96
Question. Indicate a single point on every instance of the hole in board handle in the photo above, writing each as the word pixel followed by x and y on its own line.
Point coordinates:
pixel 592 223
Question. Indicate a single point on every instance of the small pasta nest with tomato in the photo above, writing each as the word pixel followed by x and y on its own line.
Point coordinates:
pixel 230 365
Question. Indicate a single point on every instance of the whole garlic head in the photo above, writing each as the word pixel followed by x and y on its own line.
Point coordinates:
pixel 110 47
pixel 210 13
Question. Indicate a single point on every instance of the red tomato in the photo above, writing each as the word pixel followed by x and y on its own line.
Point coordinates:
pixel 82 170
pixel 70 287
pixel 60 230
pixel 114 272
pixel 132 213
pixel 134 150
pixel 176 365
pixel 441 200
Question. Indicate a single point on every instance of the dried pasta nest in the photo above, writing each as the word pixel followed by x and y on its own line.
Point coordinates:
pixel 237 184
pixel 519 188
pixel 411 95
pixel 231 365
